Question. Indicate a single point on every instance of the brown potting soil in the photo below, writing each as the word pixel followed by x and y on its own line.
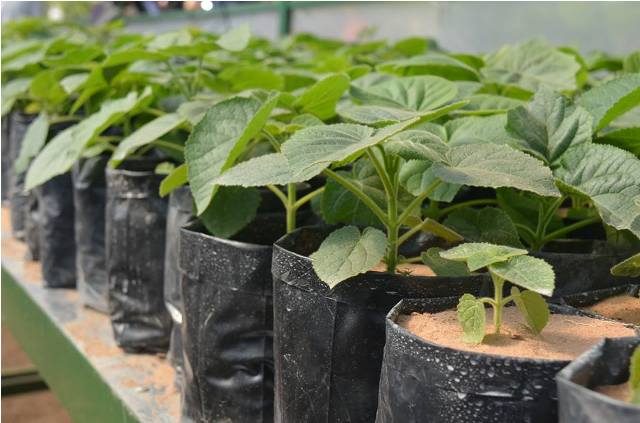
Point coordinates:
pixel 564 338
pixel 625 308
pixel 409 269
pixel 620 392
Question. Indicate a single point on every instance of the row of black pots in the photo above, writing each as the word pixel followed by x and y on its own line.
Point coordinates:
pixel 421 380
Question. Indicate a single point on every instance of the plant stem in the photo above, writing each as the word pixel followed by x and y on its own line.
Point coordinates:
pixel 479 202
pixel 167 144
pixel 568 229
pixel 392 232
pixel 498 284
pixel 417 202
pixel 181 84
pixel 382 173
pixel 196 78
pixel 358 193
pixel 417 259
pixel 291 207
pixel 404 237
pixel 302 201
pixel 278 194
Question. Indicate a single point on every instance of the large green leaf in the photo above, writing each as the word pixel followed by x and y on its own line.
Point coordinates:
pixel 527 272
pixel 481 254
pixel 218 139
pixel 33 141
pixel 522 207
pixel 59 155
pixel 144 135
pixel 11 91
pixel 488 104
pixel 608 176
pixel 311 150
pixel 625 138
pixel 321 98
pixel 488 165
pixel 628 267
pixel 269 169
pixel 72 82
pixel 231 210
pixel 532 65
pixel 614 98
pixel 416 144
pixel 236 39
pixel 549 125
pixel 431 64
pixel 441 266
pixel 346 252
pixel 245 77
pixel 175 179
pixel 533 307
pixel 417 175
pixel 45 87
pixel 479 130
pixel 489 224
pixel 472 318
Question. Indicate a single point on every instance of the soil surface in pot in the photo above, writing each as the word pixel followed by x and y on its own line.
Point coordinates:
pixel 564 338
pixel 625 308
pixel 620 392
pixel 409 269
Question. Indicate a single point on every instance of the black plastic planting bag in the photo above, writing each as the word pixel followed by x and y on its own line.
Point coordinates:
pixel 422 381
pixel 328 344
pixel 90 200
pixel 605 364
pixel 589 298
pixel 32 229
pixel 228 323
pixel 135 241
pixel 6 157
pixel 583 265
pixel 57 251
pixel 179 213
pixel 19 200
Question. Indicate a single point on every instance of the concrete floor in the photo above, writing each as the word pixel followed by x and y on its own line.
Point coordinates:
pixel 33 407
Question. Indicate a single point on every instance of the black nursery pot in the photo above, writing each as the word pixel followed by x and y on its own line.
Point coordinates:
pixel 179 213
pixel 6 158
pixel 19 200
pixel 328 345
pixel 583 265
pixel 135 243
pixel 227 326
pixel 589 298
pixel 32 228
pixel 605 364
pixel 90 200
pixel 421 380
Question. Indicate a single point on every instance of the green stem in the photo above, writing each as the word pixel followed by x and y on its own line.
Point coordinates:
pixel 498 284
pixel 404 237
pixel 63 119
pixel 568 229
pixel 417 202
pixel 417 259
pixel 278 192
pixel 305 199
pixel 196 78
pixel 386 182
pixel 169 145
pixel 181 84
pixel 154 111
pixel 127 126
pixel 358 193
pixel 291 207
pixel 470 203
pixel 392 232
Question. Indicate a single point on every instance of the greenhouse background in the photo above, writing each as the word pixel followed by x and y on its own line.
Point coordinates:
pixel 261 211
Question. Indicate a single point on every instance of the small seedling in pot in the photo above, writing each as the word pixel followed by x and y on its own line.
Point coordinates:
pixel 504 264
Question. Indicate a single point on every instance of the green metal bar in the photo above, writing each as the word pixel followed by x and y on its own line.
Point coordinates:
pixel 284 15
pixel 76 383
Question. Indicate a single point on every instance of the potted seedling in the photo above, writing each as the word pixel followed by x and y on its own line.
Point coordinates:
pixel 394 170
pixel 462 373
pixel 602 384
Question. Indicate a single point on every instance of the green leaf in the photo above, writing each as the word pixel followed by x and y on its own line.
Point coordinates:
pixel 527 272
pixel 549 125
pixel 46 88
pixel 532 65
pixel 609 177
pixel 417 175
pixel 245 77
pixel 127 56
pixel 488 165
pixel 489 224
pixel 629 267
pixel 74 57
pixel 634 376
pixel 33 141
pixel 415 144
pixel 218 139
pixel 625 138
pixel 437 64
pixel 144 135
pixel 346 252
pixel 321 98
pixel 231 210
pixel 236 39
pixel 488 104
pixel 443 267
pixel 481 254
pixel 59 155
pixel 611 99
pixel 522 208
pixel 311 150
pixel 631 63
pixel 533 307
pixel 434 227
pixel 472 318
pixel 72 82
pixel 11 91
pixel 479 130
pixel 174 180
pixel 269 169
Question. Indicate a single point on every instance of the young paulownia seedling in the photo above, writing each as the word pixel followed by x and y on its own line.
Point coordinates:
pixel 504 264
